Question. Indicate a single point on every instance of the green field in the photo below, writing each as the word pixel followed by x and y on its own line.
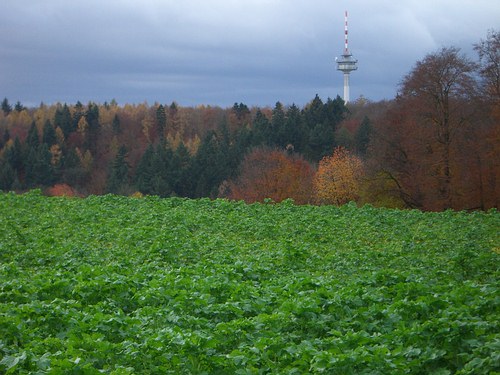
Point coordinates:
pixel 121 285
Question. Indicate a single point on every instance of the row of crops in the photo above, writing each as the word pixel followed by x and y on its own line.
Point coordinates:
pixel 121 285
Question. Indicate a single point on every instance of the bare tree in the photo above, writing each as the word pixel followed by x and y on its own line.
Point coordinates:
pixel 489 61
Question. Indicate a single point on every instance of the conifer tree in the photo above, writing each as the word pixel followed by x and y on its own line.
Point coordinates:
pixel 261 130
pixel 144 172
pixel 6 107
pixel 18 107
pixel 180 174
pixel 116 125
pixel 7 175
pixel 362 136
pixel 49 134
pixel 161 120
pixel 63 120
pixel 32 140
pixel 119 174
pixel 14 155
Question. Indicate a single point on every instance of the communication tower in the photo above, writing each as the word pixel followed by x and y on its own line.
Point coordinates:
pixel 346 63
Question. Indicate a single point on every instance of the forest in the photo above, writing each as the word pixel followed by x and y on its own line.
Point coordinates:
pixel 433 147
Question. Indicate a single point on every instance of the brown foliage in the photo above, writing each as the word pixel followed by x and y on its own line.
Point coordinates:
pixel 422 143
pixel 61 190
pixel 267 173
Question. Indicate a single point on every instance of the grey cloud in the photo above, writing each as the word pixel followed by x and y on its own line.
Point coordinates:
pixel 221 51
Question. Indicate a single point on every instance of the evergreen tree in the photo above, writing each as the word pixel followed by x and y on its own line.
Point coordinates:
pixel 63 120
pixel 278 135
pixel 362 136
pixel 38 167
pixel 209 166
pixel 261 129
pixel 323 119
pixel 92 135
pixel 321 142
pixel 32 140
pixel 6 107
pixel 295 132
pixel 241 111
pixel 14 156
pixel 161 120
pixel 6 136
pixel 78 113
pixel 180 172
pixel 7 175
pixel 160 183
pixel 116 125
pixel 73 172
pixel 242 143
pixel 119 175
pixel 19 107
pixel 314 113
pixel 92 117
pixel 45 169
pixel 345 139
pixel 144 172
pixel 335 111
pixel 49 134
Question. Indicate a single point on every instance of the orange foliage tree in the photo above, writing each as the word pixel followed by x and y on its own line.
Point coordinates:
pixel 432 144
pixel 269 173
pixel 338 179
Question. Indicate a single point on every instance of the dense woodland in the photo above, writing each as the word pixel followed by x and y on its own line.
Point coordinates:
pixel 435 146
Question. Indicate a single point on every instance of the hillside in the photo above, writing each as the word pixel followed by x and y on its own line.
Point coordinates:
pixel 116 285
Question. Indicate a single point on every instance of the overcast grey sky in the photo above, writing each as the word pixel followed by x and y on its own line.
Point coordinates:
pixel 218 52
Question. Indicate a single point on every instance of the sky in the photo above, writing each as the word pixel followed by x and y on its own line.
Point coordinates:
pixel 218 52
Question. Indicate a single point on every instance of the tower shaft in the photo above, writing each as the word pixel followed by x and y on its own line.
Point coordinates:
pixel 346 87
pixel 346 63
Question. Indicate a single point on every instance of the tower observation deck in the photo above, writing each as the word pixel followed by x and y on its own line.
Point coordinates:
pixel 346 63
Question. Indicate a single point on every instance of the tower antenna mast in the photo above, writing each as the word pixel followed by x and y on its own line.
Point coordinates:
pixel 346 63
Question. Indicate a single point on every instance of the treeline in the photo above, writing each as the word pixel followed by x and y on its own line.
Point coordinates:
pixel 160 149
pixel 435 146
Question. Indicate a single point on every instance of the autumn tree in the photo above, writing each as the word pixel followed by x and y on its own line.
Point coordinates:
pixel 486 153
pixel 489 60
pixel 417 144
pixel 338 179
pixel 271 173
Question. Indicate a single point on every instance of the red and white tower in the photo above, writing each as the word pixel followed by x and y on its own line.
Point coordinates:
pixel 346 63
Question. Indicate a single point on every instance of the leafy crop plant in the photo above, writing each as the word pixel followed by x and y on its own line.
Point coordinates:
pixel 117 285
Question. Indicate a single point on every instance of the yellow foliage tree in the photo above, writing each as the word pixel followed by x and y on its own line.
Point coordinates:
pixel 338 178
pixel 83 125
pixel 60 136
